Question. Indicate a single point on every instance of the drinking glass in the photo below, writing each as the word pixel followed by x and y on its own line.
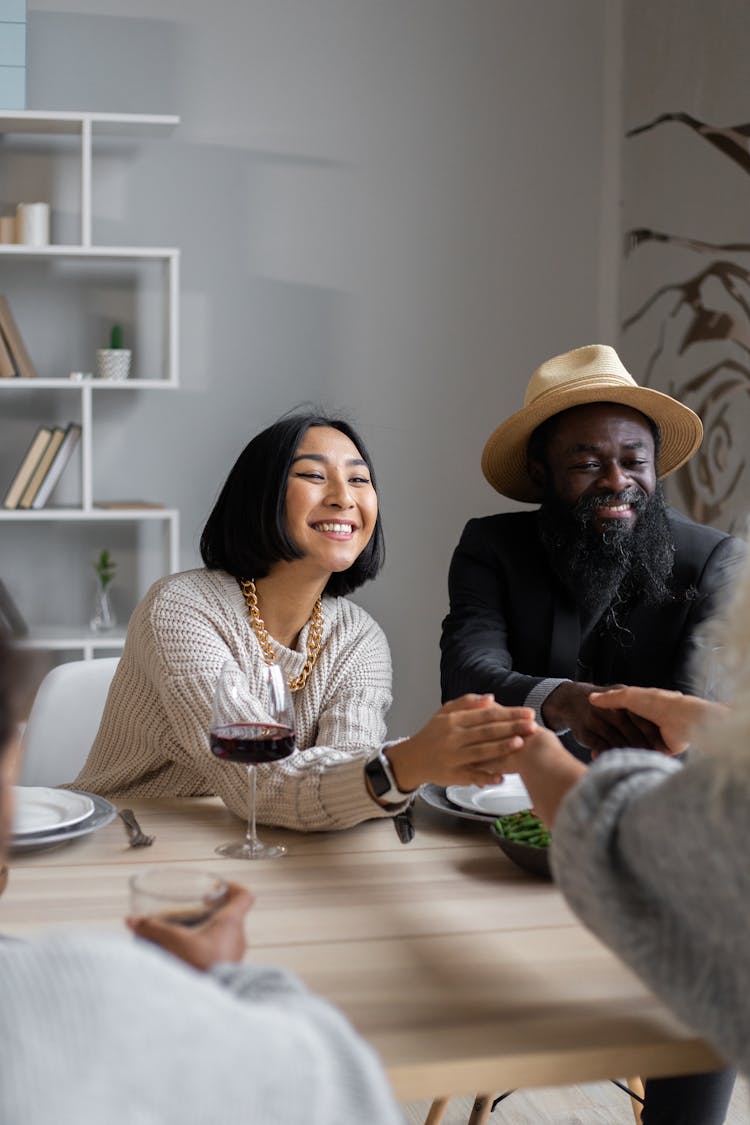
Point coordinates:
pixel 252 729
pixel 180 895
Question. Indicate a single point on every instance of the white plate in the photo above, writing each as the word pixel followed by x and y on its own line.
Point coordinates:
pixel 494 800
pixel 38 809
pixel 104 812
pixel 434 795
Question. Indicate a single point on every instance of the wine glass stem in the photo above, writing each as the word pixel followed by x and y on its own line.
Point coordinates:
pixel 251 838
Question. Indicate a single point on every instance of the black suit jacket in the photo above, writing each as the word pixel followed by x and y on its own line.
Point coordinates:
pixel 511 624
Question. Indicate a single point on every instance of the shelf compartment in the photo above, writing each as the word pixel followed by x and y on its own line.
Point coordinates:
pixel 84 125
pixel 84 292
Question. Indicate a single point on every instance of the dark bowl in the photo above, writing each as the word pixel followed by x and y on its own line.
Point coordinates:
pixel 527 856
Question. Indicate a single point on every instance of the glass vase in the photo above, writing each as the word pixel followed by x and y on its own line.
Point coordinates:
pixel 103 618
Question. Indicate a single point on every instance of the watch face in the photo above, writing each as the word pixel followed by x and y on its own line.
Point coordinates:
pixel 377 776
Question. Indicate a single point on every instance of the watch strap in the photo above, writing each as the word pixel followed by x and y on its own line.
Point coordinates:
pixel 380 775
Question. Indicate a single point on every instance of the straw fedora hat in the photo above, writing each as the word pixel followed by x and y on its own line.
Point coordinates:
pixel 591 374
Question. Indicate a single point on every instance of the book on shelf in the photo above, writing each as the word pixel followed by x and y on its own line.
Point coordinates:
pixel 7 366
pixel 29 462
pixel 42 467
pixel 126 505
pixel 14 342
pixel 55 470
pixel 10 615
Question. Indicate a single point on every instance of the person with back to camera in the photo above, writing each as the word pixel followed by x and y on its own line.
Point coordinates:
pixel 602 584
pixel 296 527
pixel 651 852
pixel 96 1029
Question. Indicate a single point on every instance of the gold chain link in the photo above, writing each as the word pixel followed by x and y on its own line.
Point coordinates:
pixel 314 636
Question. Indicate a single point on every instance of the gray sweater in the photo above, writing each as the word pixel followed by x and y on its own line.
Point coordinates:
pixel 99 1029
pixel 653 857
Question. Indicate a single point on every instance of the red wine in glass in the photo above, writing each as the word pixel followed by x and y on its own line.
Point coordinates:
pixel 252 743
pixel 252 727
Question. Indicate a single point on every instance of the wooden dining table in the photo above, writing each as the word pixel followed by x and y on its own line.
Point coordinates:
pixel 464 972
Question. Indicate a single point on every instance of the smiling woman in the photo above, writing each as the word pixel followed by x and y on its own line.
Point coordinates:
pixel 331 511
pixel 296 528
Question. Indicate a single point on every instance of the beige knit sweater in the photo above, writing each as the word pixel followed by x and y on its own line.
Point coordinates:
pixel 153 738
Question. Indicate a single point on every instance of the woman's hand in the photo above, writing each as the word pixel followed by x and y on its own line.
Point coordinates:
pixel 676 715
pixel 221 938
pixel 469 741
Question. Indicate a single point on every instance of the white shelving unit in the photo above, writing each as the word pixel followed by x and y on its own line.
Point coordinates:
pixel 87 126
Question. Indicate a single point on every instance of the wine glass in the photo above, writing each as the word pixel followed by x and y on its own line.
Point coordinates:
pixel 251 728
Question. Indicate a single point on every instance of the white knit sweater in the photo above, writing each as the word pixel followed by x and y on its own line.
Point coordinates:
pixel 153 738
pixel 104 1031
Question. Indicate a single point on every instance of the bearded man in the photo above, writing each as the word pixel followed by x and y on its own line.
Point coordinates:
pixel 602 584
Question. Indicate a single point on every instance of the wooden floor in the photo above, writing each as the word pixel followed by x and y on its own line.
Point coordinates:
pixel 600 1103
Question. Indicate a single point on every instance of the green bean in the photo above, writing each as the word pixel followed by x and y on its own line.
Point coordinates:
pixel 523 828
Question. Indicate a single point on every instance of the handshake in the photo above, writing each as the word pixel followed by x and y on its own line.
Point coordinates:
pixel 474 740
pixel 633 717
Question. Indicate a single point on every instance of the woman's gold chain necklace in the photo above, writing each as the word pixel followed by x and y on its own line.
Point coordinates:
pixel 314 636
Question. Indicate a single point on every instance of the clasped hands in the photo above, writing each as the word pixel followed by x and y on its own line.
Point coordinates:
pixel 474 740
pixel 634 717
pixel 599 718
pixel 471 740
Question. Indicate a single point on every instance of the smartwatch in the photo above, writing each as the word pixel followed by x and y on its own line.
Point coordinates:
pixel 382 782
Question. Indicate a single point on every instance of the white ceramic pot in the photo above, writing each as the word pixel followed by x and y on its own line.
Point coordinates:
pixel 32 224
pixel 113 363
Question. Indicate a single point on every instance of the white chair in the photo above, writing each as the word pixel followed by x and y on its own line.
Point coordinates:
pixel 64 720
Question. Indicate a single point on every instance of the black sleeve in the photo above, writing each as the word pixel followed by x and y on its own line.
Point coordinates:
pixel 475 642
pixel 712 589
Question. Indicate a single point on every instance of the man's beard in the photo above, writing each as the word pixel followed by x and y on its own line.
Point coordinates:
pixel 607 570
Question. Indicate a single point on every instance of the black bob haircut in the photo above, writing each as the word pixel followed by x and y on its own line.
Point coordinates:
pixel 246 532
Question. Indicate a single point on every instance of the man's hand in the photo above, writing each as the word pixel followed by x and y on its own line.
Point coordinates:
pixel 568 706
pixel 676 715
pixel 469 741
pixel 221 938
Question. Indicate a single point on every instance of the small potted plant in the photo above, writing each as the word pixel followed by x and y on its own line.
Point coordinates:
pixel 114 362
pixel 103 619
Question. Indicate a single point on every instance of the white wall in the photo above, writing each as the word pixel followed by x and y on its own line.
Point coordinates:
pixel 390 207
